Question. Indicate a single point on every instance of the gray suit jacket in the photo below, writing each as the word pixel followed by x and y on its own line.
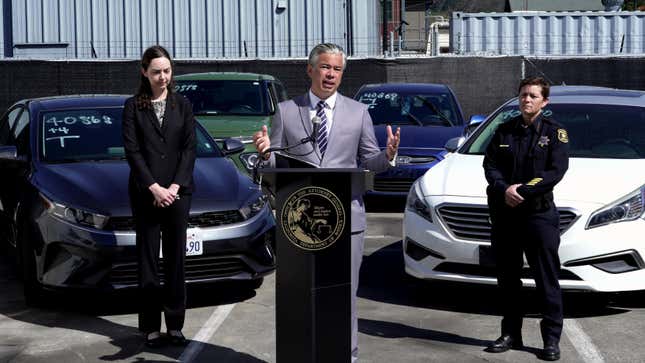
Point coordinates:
pixel 351 142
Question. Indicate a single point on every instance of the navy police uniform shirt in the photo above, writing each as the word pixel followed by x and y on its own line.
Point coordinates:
pixel 536 156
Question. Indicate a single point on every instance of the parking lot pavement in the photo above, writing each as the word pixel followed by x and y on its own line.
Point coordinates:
pixel 401 319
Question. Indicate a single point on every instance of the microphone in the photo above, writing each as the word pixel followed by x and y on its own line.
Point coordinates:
pixel 311 138
pixel 316 128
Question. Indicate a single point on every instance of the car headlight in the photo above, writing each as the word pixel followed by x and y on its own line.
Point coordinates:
pixel 249 160
pixel 75 215
pixel 628 208
pixel 253 207
pixel 417 204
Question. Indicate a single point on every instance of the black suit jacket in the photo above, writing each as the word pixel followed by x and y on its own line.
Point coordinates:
pixel 165 154
pixel 549 158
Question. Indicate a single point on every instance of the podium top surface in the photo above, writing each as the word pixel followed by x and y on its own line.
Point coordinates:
pixel 312 170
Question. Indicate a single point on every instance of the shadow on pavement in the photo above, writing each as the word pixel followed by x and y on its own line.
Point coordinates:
pixel 383 279
pixel 87 311
pixel 388 329
pixel 384 204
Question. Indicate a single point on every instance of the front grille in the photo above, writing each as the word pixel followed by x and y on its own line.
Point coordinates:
pixel 399 185
pixel 215 218
pixel 473 221
pixel 197 268
pixel 209 219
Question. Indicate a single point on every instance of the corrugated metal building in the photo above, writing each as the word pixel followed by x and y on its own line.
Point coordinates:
pixel 548 33
pixel 82 29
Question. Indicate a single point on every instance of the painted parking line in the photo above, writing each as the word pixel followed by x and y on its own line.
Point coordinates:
pixel 582 342
pixel 204 334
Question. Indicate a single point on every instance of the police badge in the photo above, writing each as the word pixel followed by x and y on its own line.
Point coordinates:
pixel 543 141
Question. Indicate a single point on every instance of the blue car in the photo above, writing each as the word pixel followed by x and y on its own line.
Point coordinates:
pixel 428 115
pixel 65 210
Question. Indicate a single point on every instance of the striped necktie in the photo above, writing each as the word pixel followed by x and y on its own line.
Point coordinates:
pixel 322 131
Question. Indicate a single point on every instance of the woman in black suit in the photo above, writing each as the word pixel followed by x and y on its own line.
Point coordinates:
pixel 159 140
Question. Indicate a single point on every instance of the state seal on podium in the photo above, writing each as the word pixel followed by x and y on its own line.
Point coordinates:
pixel 313 218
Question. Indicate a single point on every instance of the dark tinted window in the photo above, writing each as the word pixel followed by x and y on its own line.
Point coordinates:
pixel 434 109
pixel 93 134
pixel 280 91
pixel 225 97
pixel 595 131
pixel 6 126
pixel 21 133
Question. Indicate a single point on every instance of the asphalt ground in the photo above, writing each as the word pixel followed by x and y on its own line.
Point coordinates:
pixel 401 319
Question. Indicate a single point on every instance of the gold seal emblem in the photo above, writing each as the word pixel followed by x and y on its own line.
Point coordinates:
pixel 313 218
pixel 563 136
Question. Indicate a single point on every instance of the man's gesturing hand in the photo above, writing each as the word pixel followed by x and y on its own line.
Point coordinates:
pixel 392 142
pixel 261 141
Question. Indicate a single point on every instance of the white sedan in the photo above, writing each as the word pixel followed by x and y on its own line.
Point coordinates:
pixel 601 199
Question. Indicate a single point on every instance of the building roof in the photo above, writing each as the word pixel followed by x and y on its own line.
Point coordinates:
pixel 560 5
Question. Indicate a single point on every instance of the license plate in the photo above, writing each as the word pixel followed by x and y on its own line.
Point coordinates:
pixel 194 245
pixel 486 256
pixel 193 242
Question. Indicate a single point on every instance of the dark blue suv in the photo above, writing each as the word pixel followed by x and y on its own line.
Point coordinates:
pixel 428 114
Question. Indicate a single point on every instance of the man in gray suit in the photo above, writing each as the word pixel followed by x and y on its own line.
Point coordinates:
pixel 345 139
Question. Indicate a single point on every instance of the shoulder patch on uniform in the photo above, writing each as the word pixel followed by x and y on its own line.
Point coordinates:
pixel 563 136
pixel 534 181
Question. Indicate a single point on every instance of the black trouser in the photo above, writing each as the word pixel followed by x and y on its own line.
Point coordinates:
pixel 168 224
pixel 537 235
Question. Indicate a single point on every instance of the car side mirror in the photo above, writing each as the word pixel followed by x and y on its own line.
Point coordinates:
pixel 9 152
pixel 232 146
pixel 475 121
pixel 453 144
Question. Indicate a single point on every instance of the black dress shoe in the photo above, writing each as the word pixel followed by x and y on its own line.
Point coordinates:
pixel 504 343
pixel 177 338
pixel 155 341
pixel 550 352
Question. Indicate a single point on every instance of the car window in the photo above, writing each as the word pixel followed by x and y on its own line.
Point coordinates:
pixel 280 91
pixel 422 109
pixel 21 133
pixel 6 126
pixel 94 134
pixel 595 130
pixel 225 97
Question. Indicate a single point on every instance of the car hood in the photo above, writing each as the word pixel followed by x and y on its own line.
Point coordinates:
pixel 102 187
pixel 418 137
pixel 221 127
pixel 599 181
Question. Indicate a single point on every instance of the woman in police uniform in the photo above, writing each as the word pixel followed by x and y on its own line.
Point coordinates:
pixel 159 140
pixel 526 158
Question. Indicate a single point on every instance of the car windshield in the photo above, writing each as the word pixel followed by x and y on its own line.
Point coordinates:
pixel 224 97
pixel 94 134
pixel 595 130
pixel 398 108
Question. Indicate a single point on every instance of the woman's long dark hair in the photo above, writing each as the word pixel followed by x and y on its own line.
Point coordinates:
pixel 144 94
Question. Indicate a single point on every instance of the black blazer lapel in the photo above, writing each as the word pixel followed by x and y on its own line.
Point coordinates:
pixel 152 118
pixel 166 114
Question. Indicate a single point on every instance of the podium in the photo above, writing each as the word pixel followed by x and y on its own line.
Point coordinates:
pixel 313 275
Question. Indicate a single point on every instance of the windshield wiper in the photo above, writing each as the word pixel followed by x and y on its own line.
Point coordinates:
pixel 413 118
pixel 435 109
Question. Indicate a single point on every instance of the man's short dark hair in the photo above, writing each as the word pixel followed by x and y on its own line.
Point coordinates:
pixel 536 81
